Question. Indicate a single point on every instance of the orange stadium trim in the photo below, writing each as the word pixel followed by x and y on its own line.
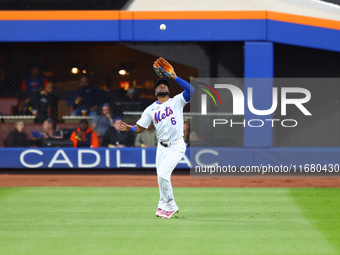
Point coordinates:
pixel 304 20
pixel 198 15
pixel 126 15
pixel 59 15
pixel 169 15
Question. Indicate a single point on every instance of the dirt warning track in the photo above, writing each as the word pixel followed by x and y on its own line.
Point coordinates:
pixel 90 180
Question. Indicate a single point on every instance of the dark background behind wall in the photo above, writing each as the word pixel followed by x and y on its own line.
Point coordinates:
pixel 190 59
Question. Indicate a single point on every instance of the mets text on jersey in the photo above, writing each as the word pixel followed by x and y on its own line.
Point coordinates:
pixel 159 117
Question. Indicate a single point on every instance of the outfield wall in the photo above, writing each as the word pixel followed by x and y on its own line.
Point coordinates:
pixel 102 158
pixel 258 29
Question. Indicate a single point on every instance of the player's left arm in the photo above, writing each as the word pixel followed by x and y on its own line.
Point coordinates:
pixel 188 89
pixel 136 128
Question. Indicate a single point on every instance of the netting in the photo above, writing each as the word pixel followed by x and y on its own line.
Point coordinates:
pixel 121 75
pixel 319 68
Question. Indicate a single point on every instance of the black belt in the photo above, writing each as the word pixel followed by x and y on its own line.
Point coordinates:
pixel 165 144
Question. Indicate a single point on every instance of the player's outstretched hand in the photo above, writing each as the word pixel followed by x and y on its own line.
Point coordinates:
pixel 164 69
pixel 125 127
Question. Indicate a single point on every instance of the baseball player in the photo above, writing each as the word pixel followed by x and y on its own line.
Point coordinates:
pixel 167 117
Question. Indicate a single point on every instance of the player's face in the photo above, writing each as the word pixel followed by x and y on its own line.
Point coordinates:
pixel 162 90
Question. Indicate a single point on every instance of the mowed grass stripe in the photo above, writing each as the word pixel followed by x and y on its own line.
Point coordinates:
pixel 121 221
pixel 322 208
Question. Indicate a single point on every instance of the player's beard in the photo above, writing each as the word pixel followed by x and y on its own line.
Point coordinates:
pixel 163 94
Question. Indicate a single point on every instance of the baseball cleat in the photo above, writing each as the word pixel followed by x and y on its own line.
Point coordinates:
pixel 160 212
pixel 168 214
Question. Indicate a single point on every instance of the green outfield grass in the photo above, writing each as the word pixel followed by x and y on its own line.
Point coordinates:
pixel 121 221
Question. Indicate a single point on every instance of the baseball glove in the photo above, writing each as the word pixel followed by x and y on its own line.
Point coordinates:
pixel 163 68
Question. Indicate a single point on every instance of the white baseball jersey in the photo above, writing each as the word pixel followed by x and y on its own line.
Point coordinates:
pixel 167 118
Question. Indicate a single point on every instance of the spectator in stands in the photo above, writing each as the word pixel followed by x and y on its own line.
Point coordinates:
pixel 87 98
pixel 18 137
pixel 116 108
pixel 132 101
pixel 34 82
pixel 101 123
pixel 49 131
pixel 189 135
pixel 84 136
pixel 22 107
pixel 132 95
pixel 45 103
pixel 114 138
pixel 147 139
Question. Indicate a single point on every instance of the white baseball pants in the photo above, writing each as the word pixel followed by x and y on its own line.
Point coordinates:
pixel 167 159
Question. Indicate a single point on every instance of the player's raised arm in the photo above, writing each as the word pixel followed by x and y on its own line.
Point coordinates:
pixel 188 89
pixel 164 69
pixel 136 128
